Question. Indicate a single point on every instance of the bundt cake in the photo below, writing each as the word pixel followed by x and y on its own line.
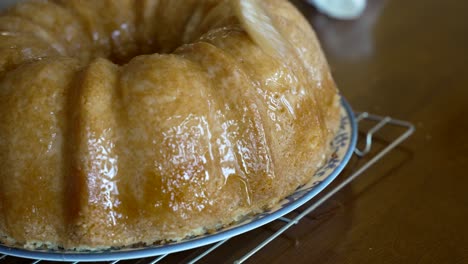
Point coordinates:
pixel 125 122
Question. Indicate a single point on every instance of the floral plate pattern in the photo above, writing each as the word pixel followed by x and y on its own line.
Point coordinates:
pixel 343 144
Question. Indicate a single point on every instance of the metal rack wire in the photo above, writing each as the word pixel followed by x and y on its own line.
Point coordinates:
pixel 379 122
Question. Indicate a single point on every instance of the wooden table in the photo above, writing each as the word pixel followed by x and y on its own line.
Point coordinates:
pixel 408 60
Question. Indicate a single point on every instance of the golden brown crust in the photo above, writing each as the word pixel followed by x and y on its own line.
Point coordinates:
pixel 166 146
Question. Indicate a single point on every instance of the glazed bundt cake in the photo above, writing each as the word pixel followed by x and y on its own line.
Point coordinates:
pixel 126 121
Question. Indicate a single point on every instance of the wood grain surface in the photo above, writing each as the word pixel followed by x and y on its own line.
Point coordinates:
pixel 408 60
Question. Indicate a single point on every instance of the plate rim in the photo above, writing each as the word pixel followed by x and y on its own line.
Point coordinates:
pixel 202 241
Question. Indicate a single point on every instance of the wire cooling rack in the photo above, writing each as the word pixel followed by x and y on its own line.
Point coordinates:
pixel 365 149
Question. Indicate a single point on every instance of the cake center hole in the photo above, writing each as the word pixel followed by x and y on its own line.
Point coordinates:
pixel 123 54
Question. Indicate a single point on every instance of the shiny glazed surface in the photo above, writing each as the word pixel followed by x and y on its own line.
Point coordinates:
pixel 100 148
pixel 405 59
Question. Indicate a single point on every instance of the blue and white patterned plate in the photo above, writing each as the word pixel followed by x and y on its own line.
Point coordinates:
pixel 344 144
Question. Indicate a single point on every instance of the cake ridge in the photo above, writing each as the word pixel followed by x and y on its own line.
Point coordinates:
pixel 103 148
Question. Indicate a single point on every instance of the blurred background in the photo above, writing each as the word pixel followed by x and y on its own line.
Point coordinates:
pixel 5 3
pixel 407 60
